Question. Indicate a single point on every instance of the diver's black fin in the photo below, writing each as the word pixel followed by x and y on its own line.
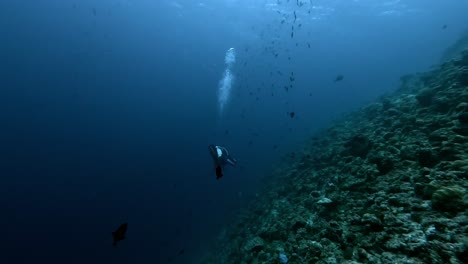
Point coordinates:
pixel 219 172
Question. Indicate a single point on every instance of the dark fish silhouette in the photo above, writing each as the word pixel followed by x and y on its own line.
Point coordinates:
pixel 292 114
pixel 338 78
pixel 119 234
pixel 444 26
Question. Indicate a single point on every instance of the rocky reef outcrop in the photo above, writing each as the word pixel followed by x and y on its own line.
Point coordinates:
pixel 386 184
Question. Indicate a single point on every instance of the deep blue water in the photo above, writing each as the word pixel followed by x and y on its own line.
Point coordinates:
pixel 107 109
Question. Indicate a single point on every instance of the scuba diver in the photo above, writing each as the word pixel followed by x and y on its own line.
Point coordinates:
pixel 220 157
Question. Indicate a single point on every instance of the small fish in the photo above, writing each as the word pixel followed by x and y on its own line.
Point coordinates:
pixel 308 44
pixel 181 252
pixel 292 34
pixel 444 26
pixel 94 11
pixel 119 234
pixel 295 17
pixel 292 114
pixel 339 77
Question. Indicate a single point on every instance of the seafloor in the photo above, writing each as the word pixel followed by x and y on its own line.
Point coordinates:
pixel 385 184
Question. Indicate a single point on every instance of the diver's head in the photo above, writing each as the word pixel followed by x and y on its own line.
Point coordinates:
pixel 215 151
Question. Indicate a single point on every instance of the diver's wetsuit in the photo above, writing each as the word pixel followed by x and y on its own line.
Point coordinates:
pixel 220 157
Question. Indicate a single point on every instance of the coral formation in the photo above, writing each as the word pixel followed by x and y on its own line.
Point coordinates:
pixel 387 184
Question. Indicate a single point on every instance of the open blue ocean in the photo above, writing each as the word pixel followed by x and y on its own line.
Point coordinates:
pixel 107 109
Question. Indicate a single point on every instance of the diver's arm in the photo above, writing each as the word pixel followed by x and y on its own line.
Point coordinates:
pixel 231 161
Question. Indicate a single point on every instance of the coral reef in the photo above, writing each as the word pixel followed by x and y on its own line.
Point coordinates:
pixel 387 184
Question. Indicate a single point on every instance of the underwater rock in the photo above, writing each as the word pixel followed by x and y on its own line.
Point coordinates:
pixel 358 146
pixel 442 104
pixel 383 161
pixel 463 78
pixel 457 48
pixel 449 199
pixel 425 97
pixel 463 255
pixel 254 245
pixel 408 152
pixel 462 130
pixel 439 135
pixel 324 201
pixel 463 118
pixel 463 61
pixel 430 189
pixel 371 222
pixel 315 248
pixel 427 157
